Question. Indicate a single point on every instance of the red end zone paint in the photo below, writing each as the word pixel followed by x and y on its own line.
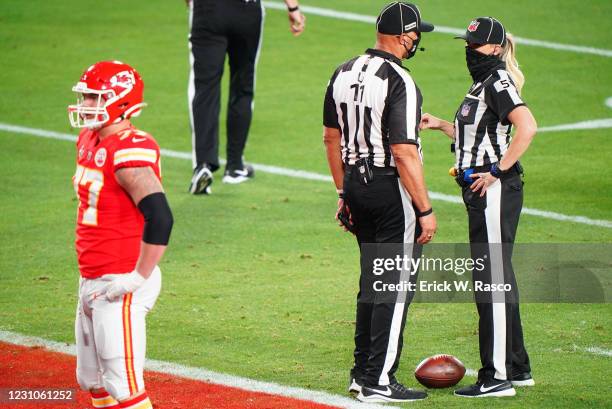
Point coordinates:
pixel 36 367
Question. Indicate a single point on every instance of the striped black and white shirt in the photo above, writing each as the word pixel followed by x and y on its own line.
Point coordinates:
pixel 482 129
pixel 374 103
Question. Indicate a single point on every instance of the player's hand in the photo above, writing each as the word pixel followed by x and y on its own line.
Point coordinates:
pixel 340 208
pixel 122 284
pixel 429 121
pixel 297 22
pixel 482 182
pixel 187 2
pixel 344 209
pixel 428 228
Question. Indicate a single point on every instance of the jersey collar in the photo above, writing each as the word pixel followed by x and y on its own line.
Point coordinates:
pixel 383 54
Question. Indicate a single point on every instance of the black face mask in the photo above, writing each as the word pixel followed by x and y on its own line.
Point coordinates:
pixel 480 65
pixel 411 52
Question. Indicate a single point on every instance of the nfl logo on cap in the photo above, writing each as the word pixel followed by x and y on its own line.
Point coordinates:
pixel 473 26
pixel 485 30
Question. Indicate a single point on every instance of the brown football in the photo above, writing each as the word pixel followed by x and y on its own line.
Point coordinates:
pixel 439 371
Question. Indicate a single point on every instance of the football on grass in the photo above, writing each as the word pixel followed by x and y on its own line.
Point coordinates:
pixel 439 371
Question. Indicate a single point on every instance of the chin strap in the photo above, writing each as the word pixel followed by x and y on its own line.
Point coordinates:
pixel 135 110
pixel 132 112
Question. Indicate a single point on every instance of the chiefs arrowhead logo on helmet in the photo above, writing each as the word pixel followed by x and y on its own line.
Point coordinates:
pixel 123 79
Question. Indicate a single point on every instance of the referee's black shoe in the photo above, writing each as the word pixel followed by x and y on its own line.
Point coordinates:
pixel 235 176
pixel 490 388
pixel 395 392
pixel 522 379
pixel 201 180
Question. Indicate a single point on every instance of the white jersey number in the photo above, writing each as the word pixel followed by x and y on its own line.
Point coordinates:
pixel 95 179
pixel 501 85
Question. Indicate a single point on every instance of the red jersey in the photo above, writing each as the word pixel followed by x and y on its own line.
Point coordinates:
pixel 109 225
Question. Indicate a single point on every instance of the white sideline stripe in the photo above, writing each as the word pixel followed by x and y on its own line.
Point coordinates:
pixel 302 174
pixel 342 15
pixel 593 124
pixel 595 350
pixel 205 375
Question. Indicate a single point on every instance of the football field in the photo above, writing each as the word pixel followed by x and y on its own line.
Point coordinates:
pixel 258 281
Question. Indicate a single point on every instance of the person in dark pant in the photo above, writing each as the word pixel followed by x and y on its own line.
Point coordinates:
pixel 488 170
pixel 220 27
pixel 371 115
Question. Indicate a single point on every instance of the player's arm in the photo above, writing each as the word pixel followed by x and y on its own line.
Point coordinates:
pixel 333 148
pixel 332 134
pixel 146 191
pixel 428 121
pixel 331 139
pixel 410 169
pixel 526 128
pixel 297 21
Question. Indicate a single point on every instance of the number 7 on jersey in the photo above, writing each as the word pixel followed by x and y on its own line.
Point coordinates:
pixel 82 177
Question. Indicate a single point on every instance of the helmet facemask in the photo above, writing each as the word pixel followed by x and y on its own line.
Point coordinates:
pixel 92 117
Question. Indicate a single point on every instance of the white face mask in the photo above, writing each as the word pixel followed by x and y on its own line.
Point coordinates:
pixel 92 117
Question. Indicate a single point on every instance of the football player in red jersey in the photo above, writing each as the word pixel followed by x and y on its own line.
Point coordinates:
pixel 123 227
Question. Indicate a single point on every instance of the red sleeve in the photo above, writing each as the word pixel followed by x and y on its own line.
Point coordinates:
pixel 135 150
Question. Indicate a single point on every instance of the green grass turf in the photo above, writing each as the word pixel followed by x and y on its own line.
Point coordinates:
pixel 258 281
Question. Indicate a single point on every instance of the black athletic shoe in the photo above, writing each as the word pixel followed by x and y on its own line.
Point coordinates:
pixel 395 392
pixel 483 389
pixel 522 379
pixel 201 180
pixel 235 176
pixel 355 385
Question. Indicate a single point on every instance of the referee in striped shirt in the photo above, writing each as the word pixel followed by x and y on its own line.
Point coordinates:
pixel 489 173
pixel 372 110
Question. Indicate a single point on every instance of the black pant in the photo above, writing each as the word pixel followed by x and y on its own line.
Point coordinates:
pixel 493 221
pixel 220 27
pixel 382 213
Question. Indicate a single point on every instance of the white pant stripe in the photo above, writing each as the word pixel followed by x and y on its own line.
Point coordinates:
pixel 191 90
pixel 398 312
pixel 492 216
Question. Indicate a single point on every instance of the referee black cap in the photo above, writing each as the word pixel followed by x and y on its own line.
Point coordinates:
pixel 485 30
pixel 398 17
